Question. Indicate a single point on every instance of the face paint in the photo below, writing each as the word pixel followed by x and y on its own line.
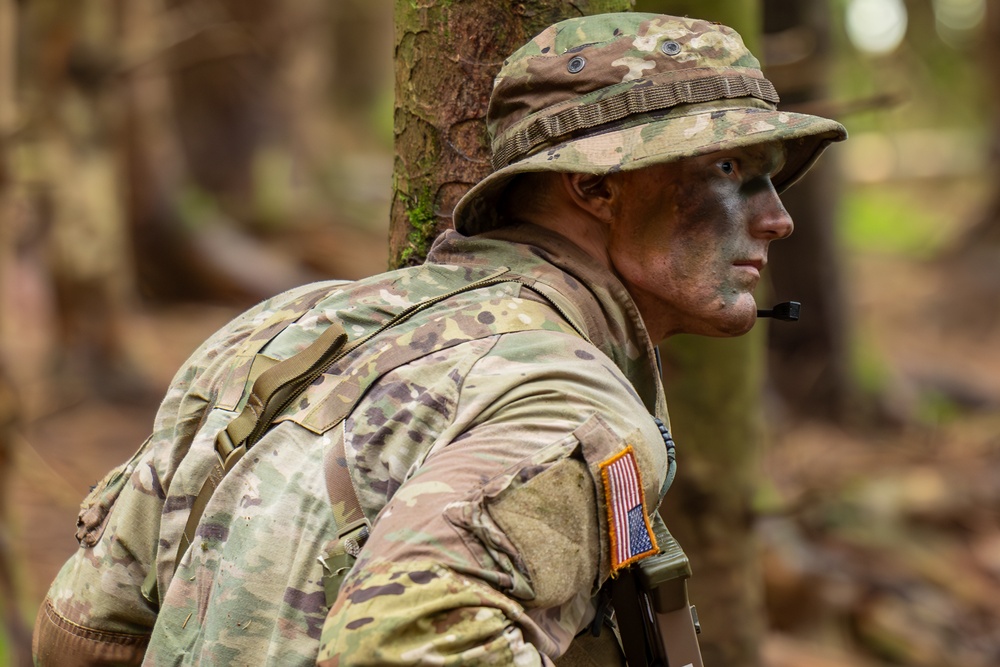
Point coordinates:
pixel 690 239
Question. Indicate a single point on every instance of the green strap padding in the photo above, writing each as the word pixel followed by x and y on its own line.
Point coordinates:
pixel 671 564
pixel 278 322
pixel 242 374
pixel 287 377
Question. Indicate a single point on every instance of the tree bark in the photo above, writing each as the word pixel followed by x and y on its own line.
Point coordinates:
pixel 69 61
pixel 971 294
pixel 447 54
pixel 18 636
pixel 809 363
pixel 204 100
pixel 987 230
pixel 713 389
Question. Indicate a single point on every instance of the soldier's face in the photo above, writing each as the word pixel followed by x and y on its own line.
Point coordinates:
pixel 690 239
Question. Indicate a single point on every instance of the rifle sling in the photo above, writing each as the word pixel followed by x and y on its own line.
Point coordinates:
pixel 629 619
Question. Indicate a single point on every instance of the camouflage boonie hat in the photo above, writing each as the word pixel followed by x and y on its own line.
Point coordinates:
pixel 614 92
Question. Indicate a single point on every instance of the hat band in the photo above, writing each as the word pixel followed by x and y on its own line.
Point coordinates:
pixel 637 99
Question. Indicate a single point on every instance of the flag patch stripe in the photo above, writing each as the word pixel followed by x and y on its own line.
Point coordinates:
pixel 628 522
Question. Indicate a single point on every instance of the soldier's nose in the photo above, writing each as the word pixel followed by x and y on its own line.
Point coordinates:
pixel 771 220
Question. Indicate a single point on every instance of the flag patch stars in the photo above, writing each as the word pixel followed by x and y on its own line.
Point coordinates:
pixel 628 522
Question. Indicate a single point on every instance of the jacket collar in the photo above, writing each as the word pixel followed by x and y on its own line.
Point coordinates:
pixel 590 296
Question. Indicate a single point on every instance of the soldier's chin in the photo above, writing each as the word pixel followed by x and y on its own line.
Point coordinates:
pixel 734 320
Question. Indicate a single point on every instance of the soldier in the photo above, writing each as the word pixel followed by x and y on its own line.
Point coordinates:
pixel 479 432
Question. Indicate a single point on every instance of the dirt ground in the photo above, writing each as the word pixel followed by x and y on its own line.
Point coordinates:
pixel 881 546
pixel 885 545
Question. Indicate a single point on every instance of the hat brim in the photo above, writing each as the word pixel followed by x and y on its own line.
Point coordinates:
pixel 680 134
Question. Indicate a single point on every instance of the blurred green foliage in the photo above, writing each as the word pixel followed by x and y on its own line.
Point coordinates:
pixel 937 83
pixel 884 219
pixel 936 408
pixel 869 366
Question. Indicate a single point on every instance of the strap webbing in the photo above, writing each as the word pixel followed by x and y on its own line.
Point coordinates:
pixel 635 100
pixel 285 379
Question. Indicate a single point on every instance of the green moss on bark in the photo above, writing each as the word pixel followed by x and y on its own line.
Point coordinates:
pixel 423 227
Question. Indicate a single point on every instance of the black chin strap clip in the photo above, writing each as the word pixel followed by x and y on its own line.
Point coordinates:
pixel 786 312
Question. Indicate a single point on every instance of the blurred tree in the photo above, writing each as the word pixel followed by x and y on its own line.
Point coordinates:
pixel 237 116
pixel 714 392
pixel 17 634
pixel 204 110
pixel 68 179
pixel 224 83
pixel 989 229
pixel 14 627
pixel 809 364
pixel 360 52
pixel 447 54
pixel 972 294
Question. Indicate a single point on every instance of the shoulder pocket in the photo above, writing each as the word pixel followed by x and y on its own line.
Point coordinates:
pixel 624 500
pixel 96 507
pixel 543 524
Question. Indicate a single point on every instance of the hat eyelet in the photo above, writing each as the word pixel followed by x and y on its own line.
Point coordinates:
pixel 576 64
pixel 671 48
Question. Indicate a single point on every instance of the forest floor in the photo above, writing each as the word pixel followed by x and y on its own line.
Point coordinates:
pixel 884 544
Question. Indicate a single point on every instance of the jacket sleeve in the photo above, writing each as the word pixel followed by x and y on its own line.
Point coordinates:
pixel 491 550
pixel 95 612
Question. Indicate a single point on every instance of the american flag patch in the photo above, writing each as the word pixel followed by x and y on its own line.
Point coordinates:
pixel 628 523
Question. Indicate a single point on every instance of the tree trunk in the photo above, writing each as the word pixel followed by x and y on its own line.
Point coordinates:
pixel 224 89
pixel 447 54
pixel 987 230
pixel 69 60
pixel 204 107
pixel 809 363
pixel 971 294
pixel 18 634
pixel 713 390
pixel 14 629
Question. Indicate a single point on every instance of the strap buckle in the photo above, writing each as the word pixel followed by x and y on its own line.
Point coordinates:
pixel 341 557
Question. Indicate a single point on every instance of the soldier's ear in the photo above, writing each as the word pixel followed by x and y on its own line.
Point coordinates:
pixel 595 194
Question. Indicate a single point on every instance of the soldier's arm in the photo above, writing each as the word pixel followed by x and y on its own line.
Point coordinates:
pixel 491 552
pixel 95 612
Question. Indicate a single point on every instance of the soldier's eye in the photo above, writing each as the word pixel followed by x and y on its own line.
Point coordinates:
pixel 727 167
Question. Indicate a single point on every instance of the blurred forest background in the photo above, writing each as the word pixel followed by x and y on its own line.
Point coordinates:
pixel 166 163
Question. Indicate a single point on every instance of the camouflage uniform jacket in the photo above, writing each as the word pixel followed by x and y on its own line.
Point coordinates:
pixel 479 466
